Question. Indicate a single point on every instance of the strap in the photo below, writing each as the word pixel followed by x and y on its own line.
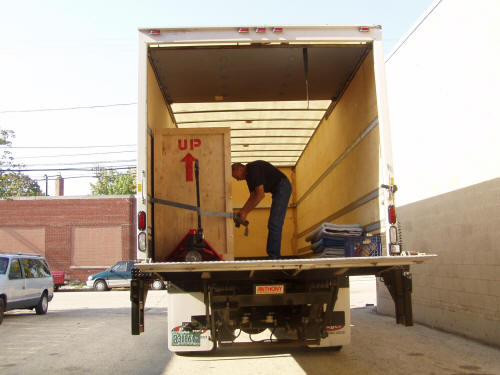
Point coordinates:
pixel 192 208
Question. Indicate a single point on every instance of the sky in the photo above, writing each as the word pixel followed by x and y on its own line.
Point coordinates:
pixel 68 54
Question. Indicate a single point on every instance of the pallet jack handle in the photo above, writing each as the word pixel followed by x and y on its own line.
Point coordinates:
pixel 197 177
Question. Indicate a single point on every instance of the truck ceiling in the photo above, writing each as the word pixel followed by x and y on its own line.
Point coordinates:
pixel 271 96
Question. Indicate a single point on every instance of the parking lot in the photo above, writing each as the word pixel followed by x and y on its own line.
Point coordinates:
pixel 89 332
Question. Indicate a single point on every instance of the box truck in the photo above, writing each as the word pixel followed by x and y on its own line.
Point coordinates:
pixel 309 100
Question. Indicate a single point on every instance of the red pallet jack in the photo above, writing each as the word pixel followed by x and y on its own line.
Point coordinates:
pixel 193 247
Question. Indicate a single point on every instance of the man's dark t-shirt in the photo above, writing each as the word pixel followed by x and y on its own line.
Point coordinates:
pixel 261 172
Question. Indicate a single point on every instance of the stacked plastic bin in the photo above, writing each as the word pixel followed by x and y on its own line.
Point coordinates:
pixel 333 240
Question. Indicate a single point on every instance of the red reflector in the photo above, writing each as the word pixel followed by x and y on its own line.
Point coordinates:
pixel 392 214
pixel 141 220
pixel 154 32
pixel 277 29
pixel 243 30
pixel 260 30
pixel 364 29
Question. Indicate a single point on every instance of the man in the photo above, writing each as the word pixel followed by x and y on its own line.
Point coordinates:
pixel 262 177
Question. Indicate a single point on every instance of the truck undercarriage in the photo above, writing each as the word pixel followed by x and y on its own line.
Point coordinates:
pixel 295 300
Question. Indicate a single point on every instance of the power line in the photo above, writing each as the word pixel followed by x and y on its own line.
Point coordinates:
pixel 67 108
pixel 35 147
pixel 82 163
pixel 70 169
pixel 68 155
pixel 65 178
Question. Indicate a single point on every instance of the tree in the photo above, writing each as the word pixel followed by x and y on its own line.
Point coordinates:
pixel 6 160
pixel 14 183
pixel 17 184
pixel 111 182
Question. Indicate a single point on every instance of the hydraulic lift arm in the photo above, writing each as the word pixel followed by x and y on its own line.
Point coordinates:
pixel 399 283
pixel 139 286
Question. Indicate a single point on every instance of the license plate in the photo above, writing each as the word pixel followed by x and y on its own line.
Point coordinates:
pixel 185 338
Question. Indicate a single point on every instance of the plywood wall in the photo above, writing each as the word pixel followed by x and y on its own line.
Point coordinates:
pixel 175 181
pixel 158 118
pixel 255 244
pixel 355 175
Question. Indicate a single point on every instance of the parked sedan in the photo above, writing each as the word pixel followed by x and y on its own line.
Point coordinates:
pixel 117 276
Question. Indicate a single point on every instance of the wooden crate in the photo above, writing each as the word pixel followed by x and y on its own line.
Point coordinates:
pixel 174 180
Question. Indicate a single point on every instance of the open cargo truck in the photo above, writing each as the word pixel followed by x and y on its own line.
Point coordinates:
pixel 310 100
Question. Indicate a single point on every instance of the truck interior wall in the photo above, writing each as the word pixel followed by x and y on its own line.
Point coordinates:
pixel 158 117
pixel 337 175
pixel 255 244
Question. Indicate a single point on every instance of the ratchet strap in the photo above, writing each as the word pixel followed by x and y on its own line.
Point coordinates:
pixel 192 208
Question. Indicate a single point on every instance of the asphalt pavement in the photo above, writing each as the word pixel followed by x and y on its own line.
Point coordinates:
pixel 89 333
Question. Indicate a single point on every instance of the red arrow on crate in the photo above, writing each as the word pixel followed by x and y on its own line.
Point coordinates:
pixel 189 160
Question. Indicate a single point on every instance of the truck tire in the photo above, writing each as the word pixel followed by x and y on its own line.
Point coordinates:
pixel 157 285
pixel 43 305
pixel 101 286
pixel 193 256
pixel 2 309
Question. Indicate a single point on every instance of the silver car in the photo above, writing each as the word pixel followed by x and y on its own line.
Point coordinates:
pixel 25 283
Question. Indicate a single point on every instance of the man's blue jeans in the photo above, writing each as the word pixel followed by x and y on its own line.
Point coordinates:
pixel 281 196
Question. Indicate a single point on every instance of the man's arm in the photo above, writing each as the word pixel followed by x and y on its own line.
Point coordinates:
pixel 253 200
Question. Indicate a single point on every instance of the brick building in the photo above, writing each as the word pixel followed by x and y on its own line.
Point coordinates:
pixel 79 235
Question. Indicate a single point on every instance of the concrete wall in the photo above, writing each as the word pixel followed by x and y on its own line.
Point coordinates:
pixel 80 236
pixel 460 290
pixel 443 90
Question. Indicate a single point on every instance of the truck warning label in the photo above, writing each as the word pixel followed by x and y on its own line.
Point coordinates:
pixel 270 289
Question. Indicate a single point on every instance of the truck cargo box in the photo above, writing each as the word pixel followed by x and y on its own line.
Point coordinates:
pixel 310 100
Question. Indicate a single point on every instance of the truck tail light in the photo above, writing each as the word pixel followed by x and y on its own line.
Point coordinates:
pixel 277 29
pixel 395 250
pixel 392 214
pixel 393 235
pixel 141 220
pixel 141 241
pixel 260 29
pixel 243 30
pixel 154 32
pixel 364 29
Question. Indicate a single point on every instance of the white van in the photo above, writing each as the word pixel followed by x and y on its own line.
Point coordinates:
pixel 25 283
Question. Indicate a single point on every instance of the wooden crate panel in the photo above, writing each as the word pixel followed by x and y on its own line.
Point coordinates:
pixel 174 154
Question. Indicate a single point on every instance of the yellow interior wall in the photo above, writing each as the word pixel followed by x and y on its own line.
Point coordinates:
pixel 255 244
pixel 357 174
pixel 158 117
pixel 353 178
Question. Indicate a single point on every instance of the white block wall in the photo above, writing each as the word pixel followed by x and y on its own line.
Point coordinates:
pixel 444 89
